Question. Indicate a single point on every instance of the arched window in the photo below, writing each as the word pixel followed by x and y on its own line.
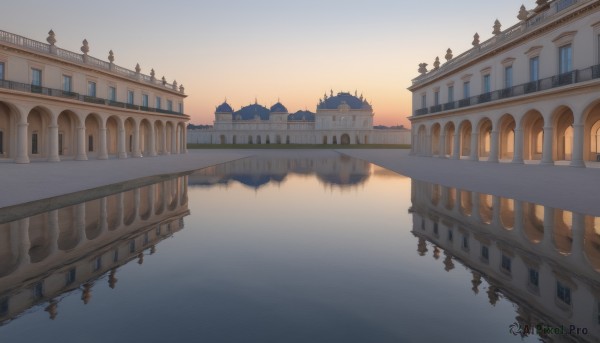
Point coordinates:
pixel 34 142
pixel 90 143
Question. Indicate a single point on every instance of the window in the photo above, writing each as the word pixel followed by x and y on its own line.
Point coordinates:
pixel 97 263
pixel 485 253
pixel 170 105
pixel 158 230
pixel 71 275
pixel 534 68
pixel 67 83
pixel 565 59
pixel 466 90
pixel 112 93
pixel 422 224
pixel 90 143
pixel 423 100
pixel 92 88
pixel 38 290
pixel 130 97
pixel 1 70
pixel 158 102
pixel 116 255
pixel 450 235
pixel 465 242
pixel 3 307
pixel 563 293
pixel 34 143
pixel 436 98
pixel 131 246
pixel 36 77
pixel 60 143
pixel 180 107
pixel 506 263
pixel 508 77
pixel 145 100
pixel 146 238
pixel 450 93
pixel 534 277
pixel 435 228
pixel 486 84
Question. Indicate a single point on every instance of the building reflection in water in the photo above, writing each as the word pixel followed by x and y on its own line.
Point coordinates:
pixel 544 260
pixel 256 172
pixel 48 255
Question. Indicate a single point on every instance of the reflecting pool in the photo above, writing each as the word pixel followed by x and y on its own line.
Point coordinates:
pixel 299 249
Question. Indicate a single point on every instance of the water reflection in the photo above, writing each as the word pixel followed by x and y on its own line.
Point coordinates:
pixel 544 260
pixel 257 172
pixel 49 255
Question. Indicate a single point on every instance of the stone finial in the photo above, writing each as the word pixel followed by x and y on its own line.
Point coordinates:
pixel 51 38
pixel 436 63
pixel 140 257
pixel 325 96
pixel 522 13
pixel 331 92
pixel 87 293
pixel 112 279
pixel 175 84
pixel 422 68
pixel 181 89
pixel 541 5
pixel 497 27
pixel 152 75
pixel 164 81
pixel 52 309
pixel 85 48
pixel 448 54
pixel 475 39
pixel 138 69
pixel 111 56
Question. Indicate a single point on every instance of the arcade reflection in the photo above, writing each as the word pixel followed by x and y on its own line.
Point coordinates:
pixel 342 172
pixel 544 260
pixel 49 255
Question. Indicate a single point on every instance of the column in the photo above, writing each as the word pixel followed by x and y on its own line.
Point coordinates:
pixel 547 148
pixel 495 210
pixel 136 203
pixel 24 243
pixel 80 223
pixel 164 140
pixel 413 145
pixel 493 146
pixel 53 141
pixel 152 141
pixel 442 146
pixel 53 231
pixel 475 215
pixel 81 155
pixel 547 240
pixel 518 226
pixel 456 150
pixel 458 202
pixel 428 145
pixel 174 140
pixel 474 144
pixel 136 140
pixel 102 148
pixel 22 153
pixel 122 152
pixel 518 151
pixel 184 140
pixel 103 216
pixel 577 157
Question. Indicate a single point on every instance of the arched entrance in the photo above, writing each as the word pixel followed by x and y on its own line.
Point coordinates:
pixel 67 137
pixel 449 131
pixel 234 140
pixel 130 139
pixel 250 140
pixel 222 139
pixel 159 137
pixel 465 130
pixel 563 134
pixel 334 140
pixel 533 222
pixel 435 139
pixel 112 135
pixel 8 128
pixel 345 139
pixel 258 140
pixel 422 140
pixel 92 135
pixel 591 138
pixel 485 138
pixel 145 138
pixel 506 144
pixel 170 142
pixel 533 135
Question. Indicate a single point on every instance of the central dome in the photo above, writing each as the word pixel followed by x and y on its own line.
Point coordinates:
pixel 278 107
pixel 333 102
pixel 252 112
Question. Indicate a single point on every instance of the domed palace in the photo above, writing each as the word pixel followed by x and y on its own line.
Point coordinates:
pixel 340 119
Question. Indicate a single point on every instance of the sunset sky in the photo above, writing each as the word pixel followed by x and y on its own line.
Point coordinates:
pixel 267 49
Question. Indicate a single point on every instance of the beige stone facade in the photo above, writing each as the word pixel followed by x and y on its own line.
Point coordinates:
pixel 57 104
pixel 527 94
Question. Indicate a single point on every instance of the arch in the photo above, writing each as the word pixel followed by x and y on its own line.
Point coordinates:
pixel 506 137
pixel 249 139
pixel 532 125
pixel 93 123
pixel 129 210
pixel 533 222
pixel 234 139
pixel 591 136
pixel 486 210
pixel 258 141
pixel 170 135
pixel 146 198
pixel 278 139
pixel 287 139
pixel 466 203
pixel 507 213
pixel 345 139
pixel 325 139
pixel 93 227
pixel 484 129
pixel 592 241
pixel 268 139
pixel 159 198
pixel 9 118
pixel 39 237
pixel 159 141
pixel 450 198
pixel 114 211
pixel 436 191
pixel 465 130
pixel 69 235
pixel 38 120
pixel 145 139
pixel 9 252
pixel 562 121
pixel 422 140
pixel 112 135
pixel 449 132
pixel 334 140
pixel 563 236
pixel 435 139
pixel 130 139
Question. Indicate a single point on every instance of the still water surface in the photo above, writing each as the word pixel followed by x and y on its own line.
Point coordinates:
pixel 297 250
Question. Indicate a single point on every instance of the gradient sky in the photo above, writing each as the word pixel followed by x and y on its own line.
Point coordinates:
pixel 269 49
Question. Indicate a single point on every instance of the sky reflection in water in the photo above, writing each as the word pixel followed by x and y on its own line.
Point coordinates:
pixel 294 250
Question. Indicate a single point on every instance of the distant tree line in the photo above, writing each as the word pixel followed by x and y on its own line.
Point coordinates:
pixel 383 127
pixel 198 127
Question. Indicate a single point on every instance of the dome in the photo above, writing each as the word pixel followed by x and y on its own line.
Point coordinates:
pixel 302 116
pixel 250 112
pixel 278 107
pixel 224 108
pixel 333 102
